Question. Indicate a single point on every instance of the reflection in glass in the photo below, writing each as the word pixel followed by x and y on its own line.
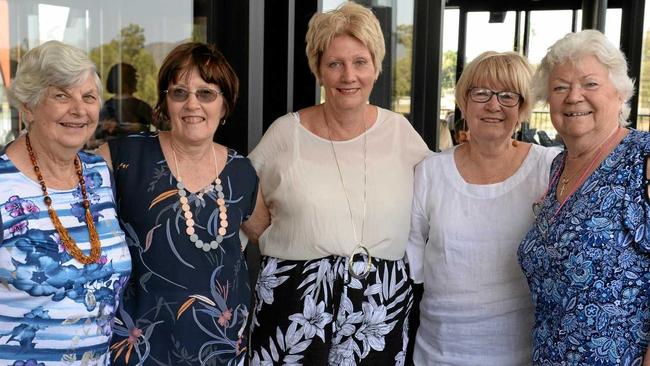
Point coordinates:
pixel 139 33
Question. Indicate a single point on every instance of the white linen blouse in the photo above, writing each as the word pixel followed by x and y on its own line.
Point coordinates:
pixel 476 308
pixel 310 217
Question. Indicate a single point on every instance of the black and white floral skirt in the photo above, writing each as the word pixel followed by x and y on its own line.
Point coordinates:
pixel 314 313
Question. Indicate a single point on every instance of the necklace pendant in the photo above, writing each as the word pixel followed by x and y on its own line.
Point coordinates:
pixel 363 251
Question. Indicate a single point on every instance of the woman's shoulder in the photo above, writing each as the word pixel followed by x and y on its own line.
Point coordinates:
pixel 639 140
pixel 240 160
pixel 283 123
pixel 436 161
pixel 240 168
pixel 134 142
pixel 90 158
pixel 276 137
pixel 5 162
pixel 386 116
pixel 543 155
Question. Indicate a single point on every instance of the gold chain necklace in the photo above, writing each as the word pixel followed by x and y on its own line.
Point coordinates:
pixel 67 241
pixel 589 164
pixel 189 216
pixel 359 248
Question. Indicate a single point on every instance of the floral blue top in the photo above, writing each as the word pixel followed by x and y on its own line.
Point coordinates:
pixel 53 309
pixel 588 265
pixel 183 306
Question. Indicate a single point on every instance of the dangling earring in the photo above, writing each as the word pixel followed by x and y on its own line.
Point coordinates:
pixel 515 142
pixel 223 122
pixel 463 136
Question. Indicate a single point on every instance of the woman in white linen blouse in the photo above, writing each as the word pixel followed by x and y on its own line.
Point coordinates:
pixel 337 179
pixel 471 207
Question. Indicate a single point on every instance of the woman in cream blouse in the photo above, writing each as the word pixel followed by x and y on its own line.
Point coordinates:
pixel 337 179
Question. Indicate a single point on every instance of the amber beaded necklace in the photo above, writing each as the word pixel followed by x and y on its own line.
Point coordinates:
pixel 67 241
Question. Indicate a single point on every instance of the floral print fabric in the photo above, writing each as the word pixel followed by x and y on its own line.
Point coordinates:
pixel 183 306
pixel 588 265
pixel 55 310
pixel 313 313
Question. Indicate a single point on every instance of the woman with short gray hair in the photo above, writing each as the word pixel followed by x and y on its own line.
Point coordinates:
pixel 587 257
pixel 63 257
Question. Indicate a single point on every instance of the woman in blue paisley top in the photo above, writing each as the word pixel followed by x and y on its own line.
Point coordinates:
pixel 63 258
pixel 587 258
pixel 181 200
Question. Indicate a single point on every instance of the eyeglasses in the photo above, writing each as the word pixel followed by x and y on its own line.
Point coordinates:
pixel 203 95
pixel 505 98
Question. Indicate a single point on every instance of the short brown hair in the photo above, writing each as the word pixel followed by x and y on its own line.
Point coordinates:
pixel 509 69
pixel 212 67
pixel 349 19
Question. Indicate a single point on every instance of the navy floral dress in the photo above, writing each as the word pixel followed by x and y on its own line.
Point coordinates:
pixel 183 306
pixel 588 265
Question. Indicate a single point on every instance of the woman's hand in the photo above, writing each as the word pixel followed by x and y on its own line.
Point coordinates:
pixel 259 220
pixel 646 358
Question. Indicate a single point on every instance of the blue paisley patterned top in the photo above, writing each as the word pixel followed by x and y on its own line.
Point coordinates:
pixel 588 267
pixel 183 306
pixel 53 309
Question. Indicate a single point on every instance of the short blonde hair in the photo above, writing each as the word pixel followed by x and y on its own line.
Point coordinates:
pixel 575 46
pixel 508 69
pixel 348 19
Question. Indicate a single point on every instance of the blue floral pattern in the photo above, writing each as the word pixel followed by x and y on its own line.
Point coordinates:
pixel 183 306
pixel 53 309
pixel 588 265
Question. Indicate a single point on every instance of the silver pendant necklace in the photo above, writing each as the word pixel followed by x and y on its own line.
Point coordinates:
pixel 359 247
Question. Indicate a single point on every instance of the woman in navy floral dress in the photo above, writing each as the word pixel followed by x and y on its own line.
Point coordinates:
pixel 181 200
pixel 587 259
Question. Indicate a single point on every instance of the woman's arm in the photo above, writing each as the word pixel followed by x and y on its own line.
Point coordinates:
pixel 419 232
pixel 646 358
pixel 259 220
pixel 105 152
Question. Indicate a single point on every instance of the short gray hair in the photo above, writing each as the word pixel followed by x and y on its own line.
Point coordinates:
pixel 51 64
pixel 575 46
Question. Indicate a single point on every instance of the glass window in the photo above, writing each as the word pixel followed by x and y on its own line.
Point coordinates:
pixel 449 61
pixel 643 115
pixel 485 36
pixel 546 28
pixel 403 59
pixel 139 33
pixel 399 52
